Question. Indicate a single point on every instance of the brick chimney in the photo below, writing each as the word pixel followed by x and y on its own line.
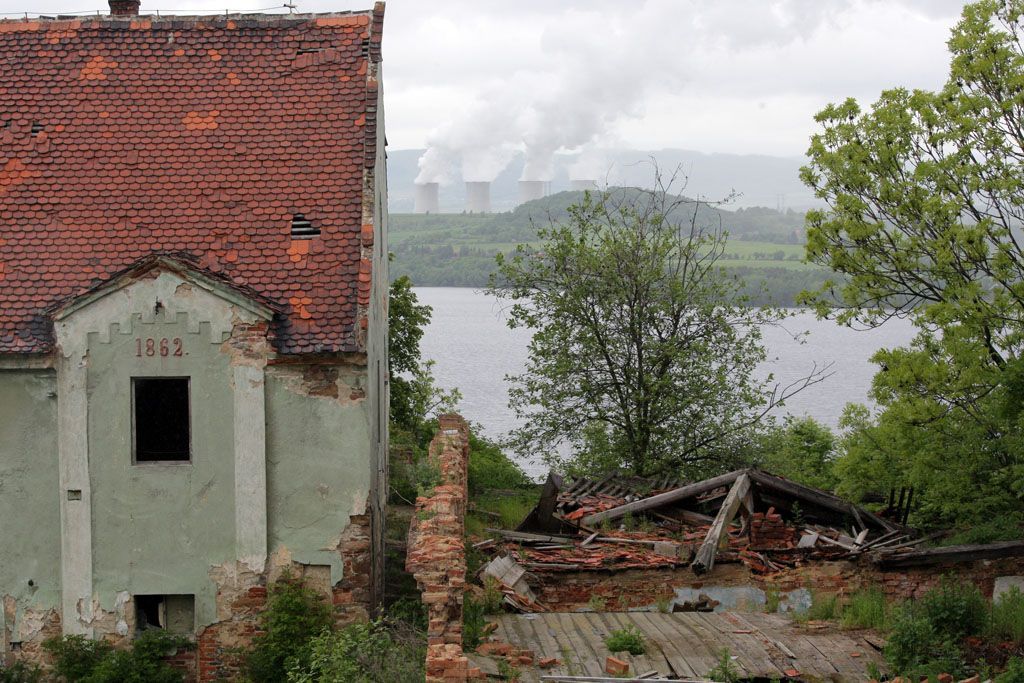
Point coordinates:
pixel 124 8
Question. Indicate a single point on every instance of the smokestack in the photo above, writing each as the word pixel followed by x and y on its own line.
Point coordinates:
pixel 581 185
pixel 478 197
pixel 124 8
pixel 426 198
pixel 532 189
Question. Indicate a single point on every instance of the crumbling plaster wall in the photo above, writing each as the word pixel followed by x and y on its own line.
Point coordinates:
pixel 29 518
pixel 282 465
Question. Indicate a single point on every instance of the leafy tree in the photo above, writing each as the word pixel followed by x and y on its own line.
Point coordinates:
pixel 802 450
pixel 643 350
pixel 926 196
pixel 413 392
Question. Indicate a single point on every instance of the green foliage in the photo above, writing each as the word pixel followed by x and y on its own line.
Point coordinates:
pixel 643 353
pixel 1014 671
pixel 916 648
pixel 473 622
pixel 955 608
pixel 802 449
pixel 75 657
pixel 294 615
pixel 80 660
pixel 866 608
pixel 410 611
pixel 507 671
pixel 924 191
pixel 597 603
pixel 824 606
pixel 1007 620
pixel 20 672
pixel 628 639
pixel 490 468
pixel 725 671
pixel 360 653
pixel 772 599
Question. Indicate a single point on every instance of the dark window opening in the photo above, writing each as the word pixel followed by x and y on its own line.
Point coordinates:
pixel 302 227
pixel 174 613
pixel 162 425
pixel 37 128
pixel 5 124
pixel 307 50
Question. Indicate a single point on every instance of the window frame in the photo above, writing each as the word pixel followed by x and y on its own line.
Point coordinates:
pixel 135 430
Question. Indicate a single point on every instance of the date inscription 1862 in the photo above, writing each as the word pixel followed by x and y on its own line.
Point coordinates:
pixel 158 347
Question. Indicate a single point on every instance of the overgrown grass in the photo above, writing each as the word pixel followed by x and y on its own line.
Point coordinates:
pixel 1007 619
pixel 866 608
pixel 824 606
pixel 628 639
pixel 506 511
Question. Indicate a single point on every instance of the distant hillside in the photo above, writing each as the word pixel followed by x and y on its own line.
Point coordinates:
pixel 760 180
pixel 457 250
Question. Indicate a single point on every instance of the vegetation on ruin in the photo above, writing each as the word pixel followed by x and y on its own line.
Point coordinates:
pixel 21 672
pixel 628 639
pixel 77 659
pixel 725 670
pixel 925 195
pixel 644 349
pixel 362 653
pixel 294 615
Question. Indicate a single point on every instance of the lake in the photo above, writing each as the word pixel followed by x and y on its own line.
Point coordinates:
pixel 474 350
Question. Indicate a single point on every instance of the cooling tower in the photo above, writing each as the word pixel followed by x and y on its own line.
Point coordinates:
pixel 478 197
pixel 426 198
pixel 532 189
pixel 581 185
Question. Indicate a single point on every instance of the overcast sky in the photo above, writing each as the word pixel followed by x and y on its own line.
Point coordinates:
pixel 742 76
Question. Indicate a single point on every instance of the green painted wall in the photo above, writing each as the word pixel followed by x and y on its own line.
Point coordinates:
pixel 318 466
pixel 29 506
pixel 157 528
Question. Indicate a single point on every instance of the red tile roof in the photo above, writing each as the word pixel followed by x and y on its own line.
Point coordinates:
pixel 202 136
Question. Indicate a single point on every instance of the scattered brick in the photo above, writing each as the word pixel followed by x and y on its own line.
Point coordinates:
pixel 614 666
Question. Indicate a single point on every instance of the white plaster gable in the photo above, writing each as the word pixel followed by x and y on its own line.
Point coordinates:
pixel 161 293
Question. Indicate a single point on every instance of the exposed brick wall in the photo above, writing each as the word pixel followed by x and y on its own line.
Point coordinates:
pixel 568 591
pixel 768 530
pixel 436 555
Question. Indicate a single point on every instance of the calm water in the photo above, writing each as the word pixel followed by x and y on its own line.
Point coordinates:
pixel 474 349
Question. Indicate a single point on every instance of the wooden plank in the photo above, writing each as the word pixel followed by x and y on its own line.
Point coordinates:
pixel 666 658
pixel 540 641
pixel 620 620
pixel 817 497
pixel 705 558
pixel 745 645
pixel 808 658
pixel 688 491
pixel 778 654
pixel 711 646
pixel 681 653
pixel 952 553
pixel 584 654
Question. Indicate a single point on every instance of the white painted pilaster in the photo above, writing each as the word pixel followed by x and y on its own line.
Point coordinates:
pixel 75 494
pixel 250 467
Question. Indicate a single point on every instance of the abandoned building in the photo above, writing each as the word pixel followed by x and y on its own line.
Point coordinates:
pixel 193 324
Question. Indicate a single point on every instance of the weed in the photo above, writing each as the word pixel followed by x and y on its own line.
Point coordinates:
pixel 874 673
pixel 20 672
pixel 772 599
pixel 362 653
pixel 473 622
pixel 1014 671
pixel 77 658
pixel 916 648
pixel 507 671
pixel 725 671
pixel 294 615
pixel 568 661
pixel 866 608
pixel 424 515
pixel 664 605
pixel 628 522
pixel 627 639
pixel 597 603
pixel 493 598
pixel 409 610
pixel 823 607
pixel 1007 620
pixel 646 525
pixel 954 609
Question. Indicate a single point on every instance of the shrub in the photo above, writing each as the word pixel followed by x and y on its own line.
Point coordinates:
pixel 823 607
pixel 627 639
pixel 473 622
pixel 1007 621
pixel 954 609
pixel 866 609
pixel 77 658
pixel 143 662
pixel 490 468
pixel 916 648
pixel 74 657
pixel 1014 671
pixel 294 616
pixel 724 671
pixel 20 672
pixel 361 653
